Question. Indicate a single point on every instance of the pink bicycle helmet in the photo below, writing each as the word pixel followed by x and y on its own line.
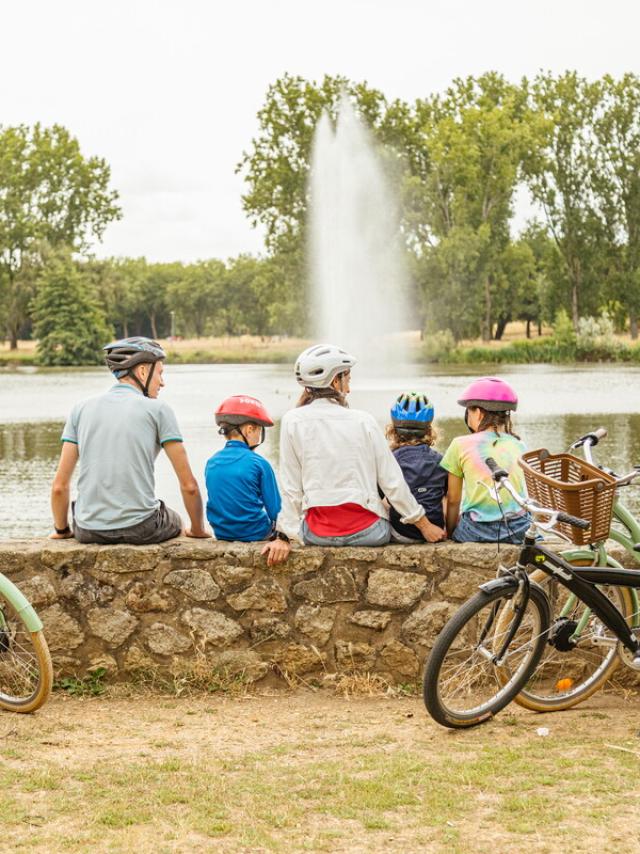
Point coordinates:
pixel 490 393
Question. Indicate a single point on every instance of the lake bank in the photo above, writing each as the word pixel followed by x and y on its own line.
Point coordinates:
pixel 438 349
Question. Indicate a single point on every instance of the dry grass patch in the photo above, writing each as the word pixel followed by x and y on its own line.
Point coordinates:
pixel 314 772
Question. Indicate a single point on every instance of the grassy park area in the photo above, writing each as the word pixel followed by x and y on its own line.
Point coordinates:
pixel 309 771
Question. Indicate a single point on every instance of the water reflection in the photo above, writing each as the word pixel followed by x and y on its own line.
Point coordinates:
pixel 33 407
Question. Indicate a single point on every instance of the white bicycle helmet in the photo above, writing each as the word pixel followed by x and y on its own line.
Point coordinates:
pixel 317 366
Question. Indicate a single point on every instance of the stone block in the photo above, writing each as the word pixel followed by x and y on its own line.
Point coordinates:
pixel 118 559
pixel 243 664
pixel 143 599
pixel 377 620
pixel 214 628
pixel 65 555
pixel 38 590
pixel 399 660
pixel 195 583
pixel 355 656
pixel 426 623
pixel 296 658
pixel 165 640
pixel 316 622
pixel 232 578
pixel 463 581
pixel 112 625
pixel 395 589
pixel 103 661
pixel 268 629
pixel 335 585
pixel 137 661
pixel 85 590
pixel 264 595
pixel 60 629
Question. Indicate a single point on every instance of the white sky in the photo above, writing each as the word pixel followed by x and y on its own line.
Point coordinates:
pixel 168 91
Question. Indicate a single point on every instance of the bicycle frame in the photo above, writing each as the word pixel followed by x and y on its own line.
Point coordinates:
pixel 581 581
pixel 21 605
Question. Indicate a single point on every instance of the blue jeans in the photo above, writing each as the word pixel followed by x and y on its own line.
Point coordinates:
pixel 469 531
pixel 377 534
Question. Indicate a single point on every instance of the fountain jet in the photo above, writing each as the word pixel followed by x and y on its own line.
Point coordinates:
pixel 357 271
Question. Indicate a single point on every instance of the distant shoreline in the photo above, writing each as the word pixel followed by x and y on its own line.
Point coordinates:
pixel 277 350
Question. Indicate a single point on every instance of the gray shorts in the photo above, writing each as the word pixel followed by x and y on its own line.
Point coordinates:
pixel 163 524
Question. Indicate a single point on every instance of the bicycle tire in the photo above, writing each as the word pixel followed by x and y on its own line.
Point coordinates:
pixel 556 685
pixel 26 671
pixel 523 652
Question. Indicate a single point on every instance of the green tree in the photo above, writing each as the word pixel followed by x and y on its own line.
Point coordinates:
pixel 617 183
pixel 561 177
pixel 50 194
pixel 69 323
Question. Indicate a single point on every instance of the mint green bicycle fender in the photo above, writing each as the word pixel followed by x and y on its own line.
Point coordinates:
pixel 604 559
pixel 20 604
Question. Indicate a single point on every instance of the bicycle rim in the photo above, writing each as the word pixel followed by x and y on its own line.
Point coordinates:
pixel 462 687
pixel 566 677
pixel 26 674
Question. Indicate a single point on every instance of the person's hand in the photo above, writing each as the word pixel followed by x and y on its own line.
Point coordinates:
pixel 56 536
pixel 197 533
pixel 431 533
pixel 277 551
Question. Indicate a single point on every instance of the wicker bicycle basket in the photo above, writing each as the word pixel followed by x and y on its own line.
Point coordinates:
pixel 564 482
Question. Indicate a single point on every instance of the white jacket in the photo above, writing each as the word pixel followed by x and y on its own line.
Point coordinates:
pixel 332 455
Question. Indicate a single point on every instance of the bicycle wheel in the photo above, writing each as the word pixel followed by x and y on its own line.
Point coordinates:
pixel 26 673
pixel 461 684
pixel 573 668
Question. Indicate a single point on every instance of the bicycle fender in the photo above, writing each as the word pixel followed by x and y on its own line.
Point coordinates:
pixel 505 582
pixel 21 604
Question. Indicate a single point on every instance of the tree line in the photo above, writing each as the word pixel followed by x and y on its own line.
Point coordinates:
pixel 459 160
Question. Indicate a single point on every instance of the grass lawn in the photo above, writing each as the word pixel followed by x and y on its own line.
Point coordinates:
pixel 315 772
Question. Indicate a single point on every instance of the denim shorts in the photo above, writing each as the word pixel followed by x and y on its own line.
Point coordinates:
pixel 377 534
pixel 163 524
pixel 469 531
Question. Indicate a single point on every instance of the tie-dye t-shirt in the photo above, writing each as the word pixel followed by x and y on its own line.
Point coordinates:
pixel 465 458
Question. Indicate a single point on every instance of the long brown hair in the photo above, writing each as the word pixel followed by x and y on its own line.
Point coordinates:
pixel 496 420
pixel 398 438
pixel 330 393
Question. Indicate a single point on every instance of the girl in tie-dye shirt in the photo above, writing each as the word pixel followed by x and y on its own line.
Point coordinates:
pixel 472 515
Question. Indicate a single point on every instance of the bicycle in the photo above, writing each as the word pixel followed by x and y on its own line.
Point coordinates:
pixel 491 648
pixel 559 683
pixel 26 672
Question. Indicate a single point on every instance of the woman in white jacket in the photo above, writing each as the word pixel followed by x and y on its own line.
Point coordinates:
pixel 333 460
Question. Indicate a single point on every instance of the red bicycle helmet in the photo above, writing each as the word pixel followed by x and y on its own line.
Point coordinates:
pixel 490 393
pixel 242 409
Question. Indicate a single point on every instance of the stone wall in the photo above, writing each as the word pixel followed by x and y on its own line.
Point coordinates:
pixel 188 603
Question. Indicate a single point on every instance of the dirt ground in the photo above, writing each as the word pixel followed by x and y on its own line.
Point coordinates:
pixel 310 771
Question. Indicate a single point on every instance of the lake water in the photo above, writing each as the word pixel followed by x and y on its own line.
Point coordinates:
pixel 557 405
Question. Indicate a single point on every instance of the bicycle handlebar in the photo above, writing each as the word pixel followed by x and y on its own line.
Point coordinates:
pixel 573 520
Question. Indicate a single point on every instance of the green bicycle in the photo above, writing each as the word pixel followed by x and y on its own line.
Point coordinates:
pixel 26 673
pixel 583 654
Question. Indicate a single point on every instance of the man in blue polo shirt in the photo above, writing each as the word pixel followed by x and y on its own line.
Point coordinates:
pixel 116 438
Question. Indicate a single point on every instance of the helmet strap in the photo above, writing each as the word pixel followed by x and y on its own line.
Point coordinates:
pixel 143 388
pixel 244 438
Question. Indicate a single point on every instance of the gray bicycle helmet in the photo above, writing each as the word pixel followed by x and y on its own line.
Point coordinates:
pixel 123 355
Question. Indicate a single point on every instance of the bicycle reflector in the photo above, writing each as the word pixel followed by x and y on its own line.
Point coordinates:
pixel 563 685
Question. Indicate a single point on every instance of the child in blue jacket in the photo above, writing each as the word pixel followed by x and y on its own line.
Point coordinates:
pixel 243 499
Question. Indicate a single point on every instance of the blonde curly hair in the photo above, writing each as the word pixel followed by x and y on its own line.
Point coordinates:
pixel 398 438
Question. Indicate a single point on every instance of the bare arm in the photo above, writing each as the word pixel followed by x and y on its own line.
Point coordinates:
pixel 188 487
pixel 60 489
pixel 454 498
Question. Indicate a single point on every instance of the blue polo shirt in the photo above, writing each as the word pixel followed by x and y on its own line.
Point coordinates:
pixel 119 434
pixel 243 500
